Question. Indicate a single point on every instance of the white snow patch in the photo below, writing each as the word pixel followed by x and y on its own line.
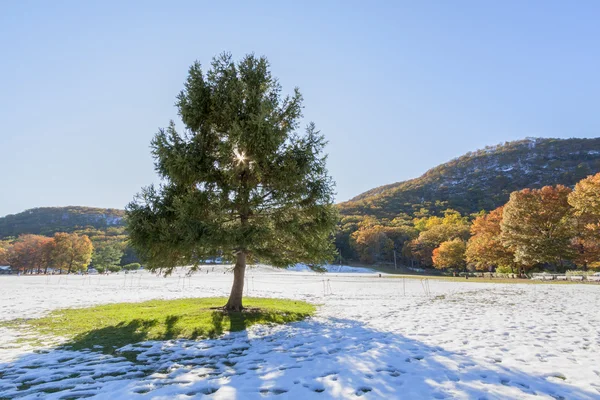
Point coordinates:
pixel 377 338
pixel 333 269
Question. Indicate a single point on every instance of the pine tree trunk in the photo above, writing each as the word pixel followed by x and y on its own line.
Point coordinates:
pixel 237 290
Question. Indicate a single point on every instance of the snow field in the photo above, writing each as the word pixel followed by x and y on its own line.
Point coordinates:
pixel 373 338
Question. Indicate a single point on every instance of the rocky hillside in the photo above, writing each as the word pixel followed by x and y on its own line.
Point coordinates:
pixel 48 220
pixel 484 179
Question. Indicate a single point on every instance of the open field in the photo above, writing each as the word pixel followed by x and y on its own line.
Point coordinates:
pixel 371 338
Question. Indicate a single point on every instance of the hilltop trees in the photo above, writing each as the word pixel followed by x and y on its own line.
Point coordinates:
pixel 240 179
pixel 537 224
pixel 483 179
pixel 50 220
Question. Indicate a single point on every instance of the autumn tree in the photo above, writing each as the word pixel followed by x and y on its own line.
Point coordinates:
pixel 586 248
pixel 436 230
pixel 585 200
pixel 239 180
pixel 30 253
pixel 485 248
pixel 4 251
pixel 343 242
pixel 371 243
pixel 537 225
pixel 450 255
pixel 71 252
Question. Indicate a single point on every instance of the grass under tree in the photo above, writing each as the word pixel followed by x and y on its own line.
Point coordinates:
pixel 116 325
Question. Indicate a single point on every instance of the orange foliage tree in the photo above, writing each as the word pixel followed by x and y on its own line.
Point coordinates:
pixel 30 253
pixel 485 248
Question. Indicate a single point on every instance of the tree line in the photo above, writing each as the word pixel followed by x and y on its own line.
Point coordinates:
pixel 553 227
pixel 64 253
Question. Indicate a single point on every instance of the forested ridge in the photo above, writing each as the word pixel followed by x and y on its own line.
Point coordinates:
pixel 483 179
pixel 398 218
pixel 50 220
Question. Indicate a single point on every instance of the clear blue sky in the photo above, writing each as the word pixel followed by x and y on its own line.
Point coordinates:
pixel 397 87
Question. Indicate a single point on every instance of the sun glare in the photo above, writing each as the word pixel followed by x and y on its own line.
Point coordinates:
pixel 240 157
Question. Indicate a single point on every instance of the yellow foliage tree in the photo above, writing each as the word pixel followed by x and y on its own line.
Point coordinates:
pixel 585 200
pixel 450 254
pixel 72 252
pixel 538 225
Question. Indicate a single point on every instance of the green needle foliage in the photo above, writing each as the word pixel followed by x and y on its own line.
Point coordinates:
pixel 240 180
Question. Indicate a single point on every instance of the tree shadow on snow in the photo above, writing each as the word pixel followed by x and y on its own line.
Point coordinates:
pixel 109 338
pixel 332 358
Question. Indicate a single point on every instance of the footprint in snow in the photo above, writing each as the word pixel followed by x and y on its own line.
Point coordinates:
pixel 329 373
pixel 272 391
pixel 362 390
pixel 206 391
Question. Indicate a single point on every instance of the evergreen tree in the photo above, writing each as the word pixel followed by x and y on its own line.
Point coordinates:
pixel 107 257
pixel 240 180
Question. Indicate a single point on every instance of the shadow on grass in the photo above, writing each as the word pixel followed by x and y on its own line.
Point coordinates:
pixel 108 339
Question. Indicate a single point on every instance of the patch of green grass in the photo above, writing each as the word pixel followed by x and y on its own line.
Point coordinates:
pixel 116 325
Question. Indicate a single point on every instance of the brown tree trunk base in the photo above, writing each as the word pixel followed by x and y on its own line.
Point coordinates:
pixel 237 290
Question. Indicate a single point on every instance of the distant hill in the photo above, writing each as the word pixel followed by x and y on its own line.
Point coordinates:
pixel 48 220
pixel 484 179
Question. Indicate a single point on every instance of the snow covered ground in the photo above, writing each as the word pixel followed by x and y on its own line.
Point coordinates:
pixel 374 338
